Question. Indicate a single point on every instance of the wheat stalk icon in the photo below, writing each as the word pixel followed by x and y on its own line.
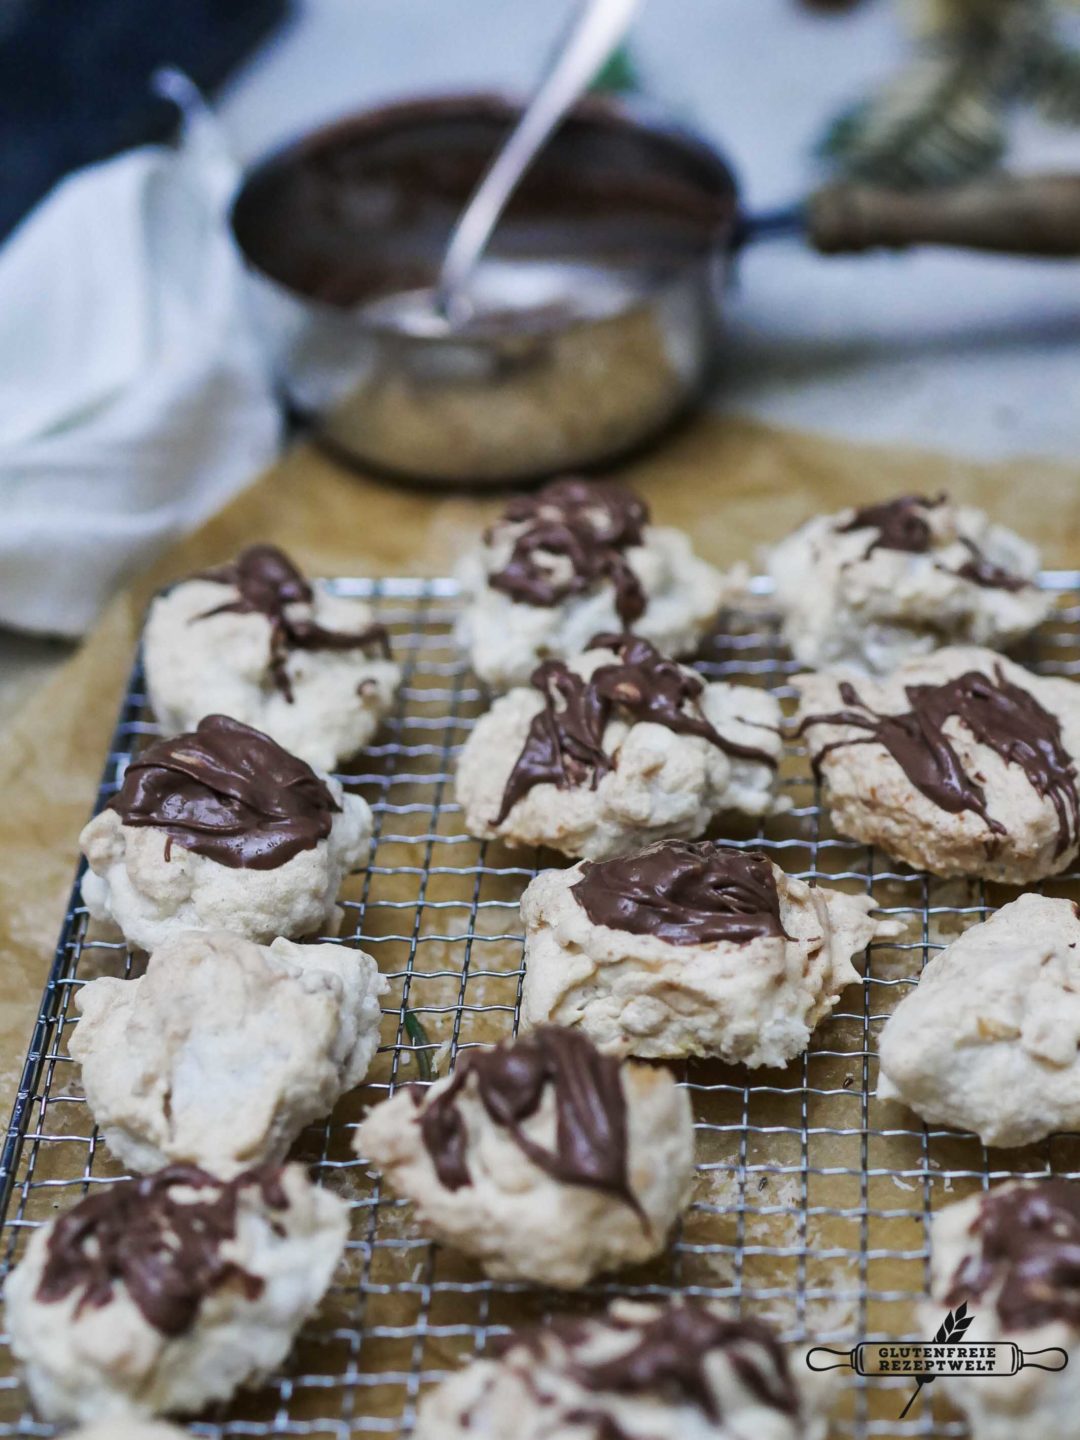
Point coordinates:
pixel 950 1330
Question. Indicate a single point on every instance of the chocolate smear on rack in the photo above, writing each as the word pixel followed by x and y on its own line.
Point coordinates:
pixel 574 536
pixel 998 713
pixel 685 893
pixel 669 1354
pixel 564 744
pixel 164 1250
pixel 512 1080
pixel 1029 1245
pixel 269 583
pixel 230 793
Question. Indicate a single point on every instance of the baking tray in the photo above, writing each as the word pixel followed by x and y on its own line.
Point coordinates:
pixel 812 1199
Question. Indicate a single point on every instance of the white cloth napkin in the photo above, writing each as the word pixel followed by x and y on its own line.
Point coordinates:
pixel 133 398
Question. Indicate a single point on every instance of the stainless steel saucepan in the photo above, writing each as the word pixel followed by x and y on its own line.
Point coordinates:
pixel 596 310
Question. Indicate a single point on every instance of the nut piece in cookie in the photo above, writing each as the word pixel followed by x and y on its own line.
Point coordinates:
pixel 257 641
pixel 960 764
pixel 156 1296
pixel 619 747
pixel 668 1372
pixel 690 949
pixel 541 1158
pixel 573 559
pixel 224 1050
pixel 871 588
pixel 989 1039
pixel 1010 1255
pixel 222 829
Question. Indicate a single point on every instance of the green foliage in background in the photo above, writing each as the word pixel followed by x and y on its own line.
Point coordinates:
pixel 945 117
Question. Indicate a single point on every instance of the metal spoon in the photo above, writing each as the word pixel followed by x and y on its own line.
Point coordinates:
pixel 596 32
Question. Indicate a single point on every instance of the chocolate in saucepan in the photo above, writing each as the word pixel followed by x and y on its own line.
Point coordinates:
pixel 587 525
pixel 268 583
pixel 230 793
pixel 564 744
pixel 998 713
pixel 511 1081
pixel 685 893
pixel 1029 1245
pixel 165 1251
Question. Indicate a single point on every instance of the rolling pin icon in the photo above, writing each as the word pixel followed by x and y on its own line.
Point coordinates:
pixel 915 1358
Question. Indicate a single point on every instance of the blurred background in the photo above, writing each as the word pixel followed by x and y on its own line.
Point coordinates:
pixel 972 355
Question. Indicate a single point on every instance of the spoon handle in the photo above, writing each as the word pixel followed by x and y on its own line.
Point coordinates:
pixel 598 29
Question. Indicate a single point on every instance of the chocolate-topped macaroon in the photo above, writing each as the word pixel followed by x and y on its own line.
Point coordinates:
pixel 873 587
pixel 571 560
pixel 540 1157
pixel 159 1295
pixel 222 829
pixel 1010 1256
pixel 961 764
pixel 689 949
pixel 662 1371
pixel 617 747
pixel 256 640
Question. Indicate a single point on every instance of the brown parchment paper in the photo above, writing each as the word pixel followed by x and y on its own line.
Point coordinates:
pixel 734 485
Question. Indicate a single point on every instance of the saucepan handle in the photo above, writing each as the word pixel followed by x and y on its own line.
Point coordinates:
pixel 1010 214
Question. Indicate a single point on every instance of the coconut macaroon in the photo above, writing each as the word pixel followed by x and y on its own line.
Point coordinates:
pixel 961 764
pixel 690 949
pixel 621 746
pixel 1009 1255
pixel 989 1039
pixel 222 829
pixel 128 1430
pixel 257 641
pixel 224 1050
pixel 874 587
pixel 574 559
pixel 681 1371
pixel 541 1158
pixel 159 1295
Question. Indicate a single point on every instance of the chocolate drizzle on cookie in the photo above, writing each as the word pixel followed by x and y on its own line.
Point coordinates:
pixel 684 893
pixel 669 1359
pixel 1001 715
pixel 574 536
pixel 901 524
pixel 268 583
pixel 165 1251
pixel 564 745
pixel 1029 1245
pixel 511 1081
pixel 230 793
pixel 984 573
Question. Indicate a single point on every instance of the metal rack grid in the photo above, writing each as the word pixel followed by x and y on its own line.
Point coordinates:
pixel 812 1201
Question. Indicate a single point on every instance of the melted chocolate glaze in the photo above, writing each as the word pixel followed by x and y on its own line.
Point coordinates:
pixel 230 793
pixel 981 571
pixel 269 583
pixel 165 1252
pixel 564 744
pixel 901 526
pixel 684 893
pixel 998 713
pixel 588 524
pixel 1030 1245
pixel 511 1081
pixel 670 1355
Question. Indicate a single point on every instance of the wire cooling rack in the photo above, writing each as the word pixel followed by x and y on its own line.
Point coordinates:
pixel 812 1199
